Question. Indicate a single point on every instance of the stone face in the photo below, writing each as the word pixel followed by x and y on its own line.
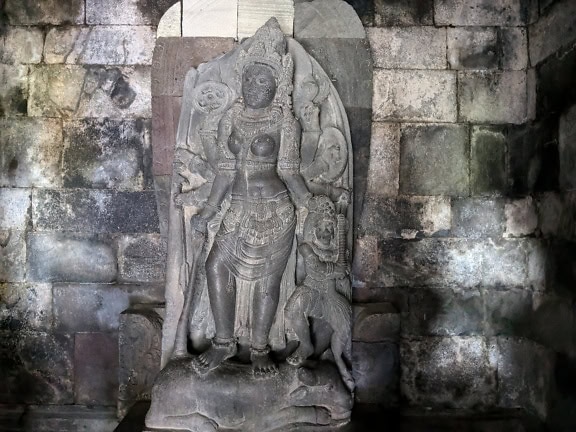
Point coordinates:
pixel 107 154
pixel 141 258
pixel 414 95
pixel 514 43
pixel 493 97
pixel 408 47
pixel 521 217
pixel 25 307
pixel 55 90
pixel 448 372
pixel 96 211
pixel 13 90
pixel 133 12
pixel 404 13
pixel 199 16
pixel 376 322
pixel 376 373
pixel 473 48
pixel 253 14
pixel 59 257
pixel 170 24
pixel 165 115
pixel 97 308
pixel 477 217
pixel 21 45
pixel 555 89
pixel 30 12
pixel 434 160
pixel 567 149
pixel 487 160
pixel 552 31
pixel 383 169
pixel 318 19
pixel 12 256
pixel 508 312
pixel 36 164
pixel 69 418
pixel 15 210
pixel 485 12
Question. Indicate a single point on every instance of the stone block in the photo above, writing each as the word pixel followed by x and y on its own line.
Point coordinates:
pixel 253 14
pixel 376 322
pixel 55 91
pixel 414 95
pixel 451 372
pixel 384 165
pixel 507 261
pixel 473 48
pixel 538 262
pixel 95 357
pixel 555 87
pixel 405 13
pixel 37 164
pixel 408 47
pixel 552 323
pixel 95 211
pixel 508 312
pixel 521 217
pixel 67 257
pixel 25 307
pixel 556 215
pixel 405 217
pixel 434 159
pixel 107 153
pixel 553 30
pixel 56 12
pixel 70 418
pixel 514 44
pixel 525 374
pixel 487 160
pixel 141 258
pixel 199 16
pixel 376 370
pixel 170 24
pixel 97 308
pixel 12 256
pixel 36 368
pixel 485 12
pixel 21 45
pixel 132 12
pixel 162 187
pixel 318 19
pixel 477 217
pixel 366 264
pixel 567 149
pixel 13 90
pixel 15 210
pixel 493 97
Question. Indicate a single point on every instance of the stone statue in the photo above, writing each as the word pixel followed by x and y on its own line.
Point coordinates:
pixel 260 240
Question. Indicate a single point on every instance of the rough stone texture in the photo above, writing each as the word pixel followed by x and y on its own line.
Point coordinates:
pixel 38 162
pixel 567 149
pixel 95 356
pixel 448 372
pixel 383 169
pixel 67 257
pixel 414 95
pixel 521 217
pixel 485 12
pixel 21 45
pixel 165 115
pixel 552 323
pixel 404 13
pixel 97 211
pixel 25 307
pixel 107 154
pixel 514 46
pixel 493 97
pixel 12 256
pixel 552 31
pixel 376 322
pixel 508 312
pixel 487 160
pixel 434 160
pixel 30 12
pixel 55 91
pixel 199 16
pixel 253 14
pixel 320 19
pixel 477 217
pixel 13 90
pixel 141 258
pixel 408 47
pixel 36 368
pixel 134 12
pixel 473 48
pixel 376 372
pixel 71 418
pixel 100 45
pixel 15 209
pixel 171 23
pixel 162 185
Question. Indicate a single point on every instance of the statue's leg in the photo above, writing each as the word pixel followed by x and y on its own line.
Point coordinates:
pixel 297 310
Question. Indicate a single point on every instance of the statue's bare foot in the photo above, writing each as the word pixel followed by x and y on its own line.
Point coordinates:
pixel 262 364
pixel 214 356
pixel 300 355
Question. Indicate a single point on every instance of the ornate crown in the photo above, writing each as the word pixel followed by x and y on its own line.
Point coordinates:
pixel 267 46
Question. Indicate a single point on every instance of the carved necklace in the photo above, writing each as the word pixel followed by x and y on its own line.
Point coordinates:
pixel 253 125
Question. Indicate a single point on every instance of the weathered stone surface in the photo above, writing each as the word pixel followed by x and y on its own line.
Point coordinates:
pixel 25 307
pixel 538 264
pixel 141 258
pixel 67 257
pixel 253 14
pixel 199 16
pixel 376 372
pixel 567 149
pixel 552 31
pixel 404 13
pixel 473 48
pixel 97 308
pixel 55 90
pixel 12 256
pixel 170 24
pixel 448 372
pixel 376 322
pixel 406 217
pixel 508 312
pixel 38 162
pixel 321 19
pixel 556 215
pixel 384 166
pixel 100 45
pixel 434 160
pixel 493 97
pixel 95 357
pixel 30 12
pixel 13 90
pixel 162 186
pixel 552 323
pixel 21 45
pixel 414 95
pixel 70 418
pixel 133 12
pixel 36 368
pixel 15 209
pixel 555 89
pixel 165 115
pixel 477 217
pixel 107 153
pixel 521 217
pixel 408 47
pixel 97 211
pixel 485 12
pixel 514 44
pixel 487 160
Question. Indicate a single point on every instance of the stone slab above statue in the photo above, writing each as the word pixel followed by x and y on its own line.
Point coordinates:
pixel 259 247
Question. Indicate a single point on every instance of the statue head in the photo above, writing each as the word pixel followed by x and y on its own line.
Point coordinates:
pixel 321 226
pixel 258 85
